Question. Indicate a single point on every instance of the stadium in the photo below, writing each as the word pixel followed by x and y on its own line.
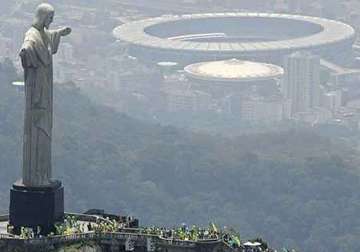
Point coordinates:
pixel 262 37
pixel 228 77
pixel 233 70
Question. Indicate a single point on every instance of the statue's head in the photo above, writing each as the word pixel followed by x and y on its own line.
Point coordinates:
pixel 44 15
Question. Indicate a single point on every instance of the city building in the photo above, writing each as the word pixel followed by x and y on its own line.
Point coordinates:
pixel 187 101
pixel 348 116
pixel 259 109
pixel 313 116
pixel 332 100
pixel 167 67
pixel 301 82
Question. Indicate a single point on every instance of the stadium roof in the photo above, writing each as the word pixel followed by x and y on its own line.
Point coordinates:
pixel 233 70
pixel 331 32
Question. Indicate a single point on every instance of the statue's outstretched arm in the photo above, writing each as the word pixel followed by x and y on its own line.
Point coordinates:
pixel 65 31
pixel 55 36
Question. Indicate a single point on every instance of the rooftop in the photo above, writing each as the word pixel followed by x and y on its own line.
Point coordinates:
pixel 233 70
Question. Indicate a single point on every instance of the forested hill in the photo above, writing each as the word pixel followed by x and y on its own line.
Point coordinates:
pixel 294 189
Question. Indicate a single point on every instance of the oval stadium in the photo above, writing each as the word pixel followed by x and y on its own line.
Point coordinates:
pixel 256 36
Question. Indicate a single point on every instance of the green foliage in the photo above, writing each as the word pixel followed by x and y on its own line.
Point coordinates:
pixel 26 233
pixel 70 226
pixel 106 226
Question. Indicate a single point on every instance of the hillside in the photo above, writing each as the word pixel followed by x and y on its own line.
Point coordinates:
pixel 294 189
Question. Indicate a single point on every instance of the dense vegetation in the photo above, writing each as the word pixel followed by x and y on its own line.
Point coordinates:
pixel 294 189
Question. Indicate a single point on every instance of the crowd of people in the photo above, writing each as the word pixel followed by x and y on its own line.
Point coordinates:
pixel 182 233
pixel 195 234
pixel 211 233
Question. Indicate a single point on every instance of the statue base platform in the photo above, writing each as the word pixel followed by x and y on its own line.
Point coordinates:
pixel 34 207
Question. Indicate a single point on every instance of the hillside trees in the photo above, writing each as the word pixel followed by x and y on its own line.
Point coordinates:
pixel 294 188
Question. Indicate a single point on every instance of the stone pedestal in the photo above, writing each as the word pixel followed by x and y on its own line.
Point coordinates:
pixel 36 206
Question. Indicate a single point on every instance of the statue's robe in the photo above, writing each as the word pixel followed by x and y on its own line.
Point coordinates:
pixel 38 48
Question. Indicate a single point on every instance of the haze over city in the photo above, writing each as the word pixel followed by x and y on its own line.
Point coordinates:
pixel 241 113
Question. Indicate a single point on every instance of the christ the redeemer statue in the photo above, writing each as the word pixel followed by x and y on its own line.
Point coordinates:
pixel 36 56
pixel 37 200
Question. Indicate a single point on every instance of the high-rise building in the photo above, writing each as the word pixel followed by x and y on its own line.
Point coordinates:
pixel 301 83
pixel 260 109
pixel 187 100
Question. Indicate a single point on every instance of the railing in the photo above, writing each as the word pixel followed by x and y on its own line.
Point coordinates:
pixel 59 239
pixel 4 217
pixel 85 217
pixel 177 243
pixel 125 235
pixel 129 233
pixel 84 236
pixel 134 234
pixel 6 236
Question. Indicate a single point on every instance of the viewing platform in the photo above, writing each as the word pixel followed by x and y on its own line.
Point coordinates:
pixel 124 239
